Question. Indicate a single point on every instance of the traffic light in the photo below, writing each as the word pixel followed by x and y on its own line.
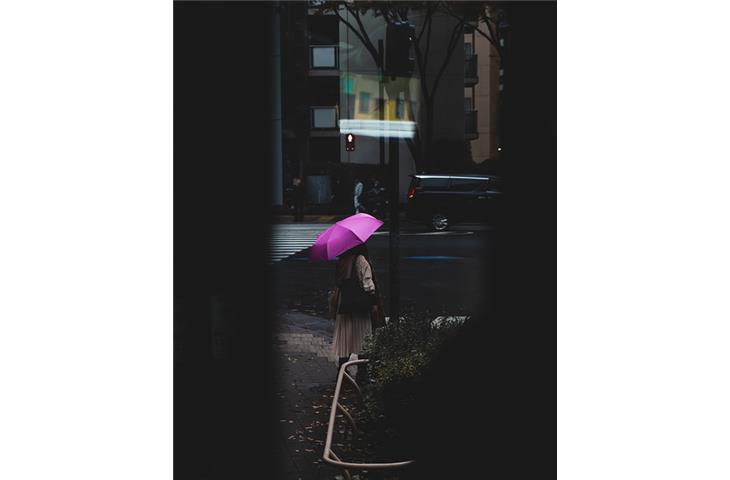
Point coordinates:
pixel 399 61
pixel 350 142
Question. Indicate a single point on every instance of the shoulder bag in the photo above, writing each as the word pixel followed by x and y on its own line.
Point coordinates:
pixel 353 299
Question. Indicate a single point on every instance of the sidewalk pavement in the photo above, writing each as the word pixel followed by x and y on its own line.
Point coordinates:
pixel 306 377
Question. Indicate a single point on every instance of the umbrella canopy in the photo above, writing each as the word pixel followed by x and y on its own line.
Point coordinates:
pixel 343 235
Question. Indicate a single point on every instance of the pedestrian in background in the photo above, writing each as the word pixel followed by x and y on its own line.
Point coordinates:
pixel 357 194
pixel 355 318
pixel 298 199
pixel 373 199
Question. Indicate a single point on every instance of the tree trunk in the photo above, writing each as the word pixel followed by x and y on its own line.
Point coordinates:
pixel 428 139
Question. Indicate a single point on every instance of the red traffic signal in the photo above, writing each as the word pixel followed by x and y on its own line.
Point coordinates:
pixel 350 142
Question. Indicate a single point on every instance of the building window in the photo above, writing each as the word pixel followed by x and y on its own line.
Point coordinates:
pixel 364 105
pixel 324 57
pixel 470 66
pixel 324 117
pixel 468 104
pixel 468 49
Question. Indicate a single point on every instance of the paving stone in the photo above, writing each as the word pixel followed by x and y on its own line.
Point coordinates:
pixel 307 375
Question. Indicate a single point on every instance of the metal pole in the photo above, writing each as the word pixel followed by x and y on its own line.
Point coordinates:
pixel 382 104
pixel 394 231
pixel 278 163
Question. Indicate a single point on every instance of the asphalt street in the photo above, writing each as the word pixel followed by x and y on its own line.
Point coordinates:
pixel 440 273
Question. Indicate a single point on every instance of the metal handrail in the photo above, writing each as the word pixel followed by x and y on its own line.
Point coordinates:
pixel 329 456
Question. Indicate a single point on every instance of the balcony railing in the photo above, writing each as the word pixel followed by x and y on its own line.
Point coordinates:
pixel 470 122
pixel 471 71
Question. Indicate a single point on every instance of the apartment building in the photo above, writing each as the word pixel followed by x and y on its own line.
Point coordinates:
pixel 481 97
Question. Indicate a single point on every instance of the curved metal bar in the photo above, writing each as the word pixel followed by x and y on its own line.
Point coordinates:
pixel 349 417
pixel 335 461
pixel 346 471
pixel 354 384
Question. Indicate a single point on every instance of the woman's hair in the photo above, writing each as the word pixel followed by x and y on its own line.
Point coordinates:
pixel 347 258
pixel 360 249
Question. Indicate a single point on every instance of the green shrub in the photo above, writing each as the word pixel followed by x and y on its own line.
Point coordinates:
pixel 399 354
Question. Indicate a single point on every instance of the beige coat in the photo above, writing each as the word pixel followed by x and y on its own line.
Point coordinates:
pixel 351 329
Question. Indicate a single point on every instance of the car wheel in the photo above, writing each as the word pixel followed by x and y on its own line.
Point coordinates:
pixel 439 222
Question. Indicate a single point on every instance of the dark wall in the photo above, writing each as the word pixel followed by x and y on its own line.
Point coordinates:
pixel 222 155
pixel 489 405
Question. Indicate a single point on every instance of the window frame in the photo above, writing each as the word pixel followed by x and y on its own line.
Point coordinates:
pixel 323 107
pixel 360 103
pixel 336 57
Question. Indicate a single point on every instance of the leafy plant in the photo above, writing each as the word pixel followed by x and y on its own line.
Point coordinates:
pixel 399 354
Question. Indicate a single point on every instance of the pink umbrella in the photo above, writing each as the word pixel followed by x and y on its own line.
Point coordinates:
pixel 343 235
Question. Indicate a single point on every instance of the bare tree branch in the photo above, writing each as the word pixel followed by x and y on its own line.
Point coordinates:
pixel 395 11
pixel 453 42
pixel 414 144
pixel 492 33
pixel 351 27
pixel 421 68
pixel 420 35
pixel 491 39
pixel 387 14
pixel 365 37
pixel 429 19
pixel 403 14
pixel 413 147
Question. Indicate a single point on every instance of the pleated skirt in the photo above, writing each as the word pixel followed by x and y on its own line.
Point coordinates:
pixel 350 331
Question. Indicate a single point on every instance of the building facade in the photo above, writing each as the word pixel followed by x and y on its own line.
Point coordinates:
pixel 328 75
pixel 481 97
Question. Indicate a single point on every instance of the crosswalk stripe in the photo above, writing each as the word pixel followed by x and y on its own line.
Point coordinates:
pixel 293 242
pixel 284 246
pixel 287 240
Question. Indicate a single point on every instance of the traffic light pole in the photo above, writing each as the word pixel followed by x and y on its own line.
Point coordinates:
pixel 398 63
pixel 394 236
